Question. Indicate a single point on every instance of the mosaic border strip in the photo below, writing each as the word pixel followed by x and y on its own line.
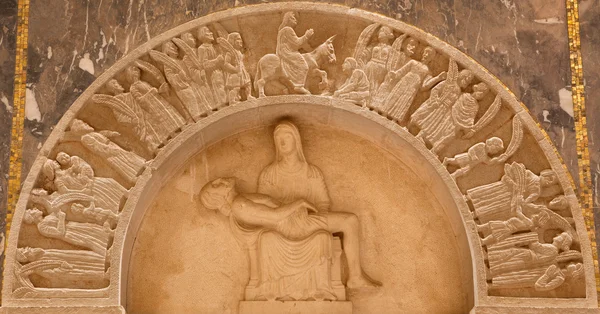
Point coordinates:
pixel 18 119
pixel 581 132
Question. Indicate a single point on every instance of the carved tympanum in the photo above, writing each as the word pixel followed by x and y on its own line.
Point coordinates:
pixel 528 239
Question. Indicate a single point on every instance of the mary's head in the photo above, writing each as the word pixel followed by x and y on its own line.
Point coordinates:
pixel 287 142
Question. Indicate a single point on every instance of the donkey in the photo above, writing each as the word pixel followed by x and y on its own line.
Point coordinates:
pixel 269 66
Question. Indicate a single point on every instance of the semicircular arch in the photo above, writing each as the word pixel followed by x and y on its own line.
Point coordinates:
pixel 488 110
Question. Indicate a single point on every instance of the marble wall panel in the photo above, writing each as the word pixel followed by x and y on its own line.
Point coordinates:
pixel 8 44
pixel 8 32
pixel 589 13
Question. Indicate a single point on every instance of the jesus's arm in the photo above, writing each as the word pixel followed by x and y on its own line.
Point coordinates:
pixel 257 214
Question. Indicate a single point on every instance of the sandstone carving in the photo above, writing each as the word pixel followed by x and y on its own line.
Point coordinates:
pixel 238 80
pixel 212 63
pixel 126 163
pixel 378 60
pixel 24 287
pixel 73 266
pixel 288 179
pixel 495 201
pixel 55 225
pixel 151 117
pixel 179 76
pixel 515 230
pixel 291 66
pixel 434 117
pixel 252 214
pixel 71 177
pixel 401 86
pixel 287 228
pixel 290 176
pixel 79 209
pixel 356 87
pixel 484 153
pixel 528 225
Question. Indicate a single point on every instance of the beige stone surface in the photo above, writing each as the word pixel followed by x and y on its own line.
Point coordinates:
pixel 296 307
pixel 406 241
pixel 120 175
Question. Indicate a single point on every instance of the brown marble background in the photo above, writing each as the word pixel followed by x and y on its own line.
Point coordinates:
pixel 589 16
pixel 8 44
pixel 524 43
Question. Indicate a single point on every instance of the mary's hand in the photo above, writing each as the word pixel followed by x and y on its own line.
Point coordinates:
pixel 304 205
pixel 310 207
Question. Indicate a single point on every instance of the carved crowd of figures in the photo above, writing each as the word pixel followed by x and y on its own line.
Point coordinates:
pixel 75 207
pixel 529 243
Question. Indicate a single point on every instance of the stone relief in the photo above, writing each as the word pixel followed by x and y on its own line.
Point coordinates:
pixel 126 163
pixel 77 208
pixel 290 66
pixel 485 152
pixel 287 228
pixel 528 243
pixel 523 220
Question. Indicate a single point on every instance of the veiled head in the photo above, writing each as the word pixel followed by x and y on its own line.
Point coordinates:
pixel 287 141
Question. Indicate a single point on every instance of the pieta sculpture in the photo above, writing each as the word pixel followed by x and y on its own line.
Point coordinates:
pixel 287 227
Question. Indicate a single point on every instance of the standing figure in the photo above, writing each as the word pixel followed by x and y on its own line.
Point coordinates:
pixel 433 117
pixel 212 63
pixel 463 116
pixel 165 120
pixel 467 106
pixel 356 87
pixel 188 91
pixel 128 112
pixel 397 60
pixel 376 68
pixel 86 235
pixel 126 163
pixel 195 69
pixel 238 78
pixel 290 177
pixel 414 76
pixel 293 65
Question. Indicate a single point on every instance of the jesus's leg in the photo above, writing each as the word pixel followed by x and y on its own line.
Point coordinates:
pixel 347 223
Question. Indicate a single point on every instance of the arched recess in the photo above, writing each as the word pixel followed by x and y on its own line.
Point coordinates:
pixel 535 151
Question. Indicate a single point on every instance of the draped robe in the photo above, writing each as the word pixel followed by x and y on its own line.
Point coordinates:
pixel 293 65
pixel 294 259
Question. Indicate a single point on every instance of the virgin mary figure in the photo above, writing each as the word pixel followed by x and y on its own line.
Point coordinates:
pixel 290 177
pixel 292 269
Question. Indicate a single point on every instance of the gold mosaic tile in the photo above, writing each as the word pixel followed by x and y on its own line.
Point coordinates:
pixel 18 119
pixel 583 157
